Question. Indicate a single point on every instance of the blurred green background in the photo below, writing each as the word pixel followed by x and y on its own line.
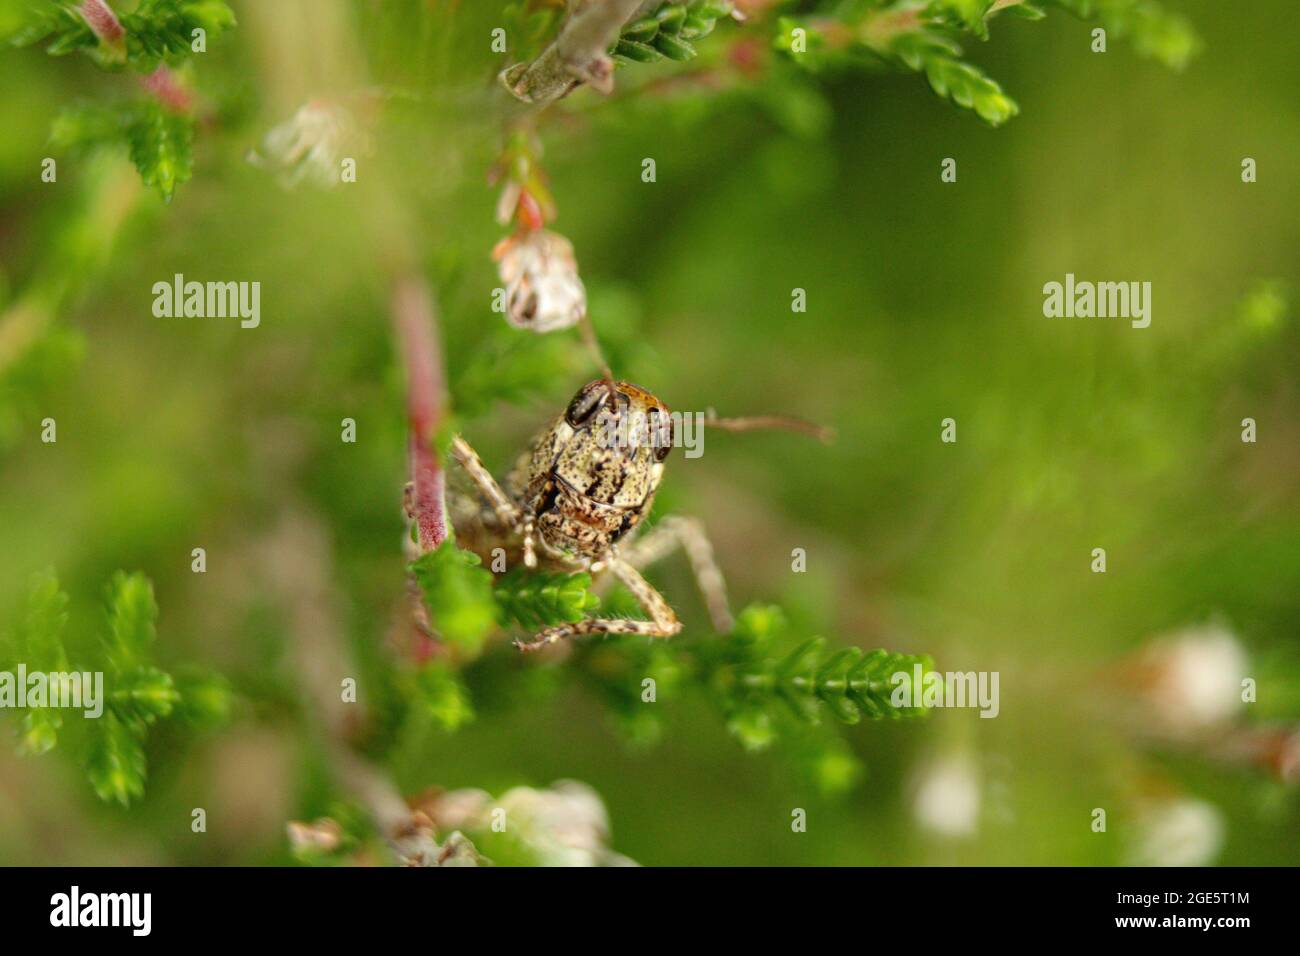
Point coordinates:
pixel 924 302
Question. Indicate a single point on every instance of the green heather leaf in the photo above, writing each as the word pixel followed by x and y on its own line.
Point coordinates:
pixel 968 87
pixel 142 695
pixel 138 694
pixel 163 30
pixel 671 17
pixel 871 683
pixel 158 141
pixel 38 732
pixel 641 30
pixel 204 699
pixel 665 32
pixel 57 25
pixel 917 50
pixel 673 48
pixel 85 127
pixel 39 642
pixel 161 147
pixel 828 764
pixel 753 728
pixel 968 14
pixel 636 52
pixel 38 646
pixel 804 706
pixel 712 9
pixel 1153 31
pixel 458 593
pixel 757 623
pixel 801 660
pixel 696 27
pixel 845 710
pixel 837 665
pixel 534 599
pixel 1027 11
pixel 442 697
pixel 132 618
pixel 117 762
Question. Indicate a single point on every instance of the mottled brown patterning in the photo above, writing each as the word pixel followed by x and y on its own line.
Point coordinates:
pixel 582 491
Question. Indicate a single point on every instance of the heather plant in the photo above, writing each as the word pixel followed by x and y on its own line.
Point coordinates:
pixel 455 217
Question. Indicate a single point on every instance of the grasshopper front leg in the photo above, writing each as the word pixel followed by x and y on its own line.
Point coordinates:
pixel 663 622
pixel 688 534
pixel 510 515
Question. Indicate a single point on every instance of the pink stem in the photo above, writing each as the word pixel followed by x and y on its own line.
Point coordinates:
pixel 414 316
pixel 162 83
pixel 102 21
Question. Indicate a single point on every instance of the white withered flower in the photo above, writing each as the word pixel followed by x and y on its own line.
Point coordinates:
pixel 311 145
pixel 1195 678
pixel 563 825
pixel 1179 831
pixel 543 290
pixel 946 796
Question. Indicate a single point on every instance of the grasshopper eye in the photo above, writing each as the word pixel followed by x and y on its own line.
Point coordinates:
pixel 661 433
pixel 585 404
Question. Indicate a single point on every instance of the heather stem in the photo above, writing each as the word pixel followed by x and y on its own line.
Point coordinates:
pixel 578 54
pixel 413 315
pixel 101 19
pixel 164 86
pixel 103 22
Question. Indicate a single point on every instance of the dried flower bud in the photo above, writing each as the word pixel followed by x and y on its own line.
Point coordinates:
pixel 1194 678
pixel 323 834
pixel 946 795
pixel 563 825
pixel 458 850
pixel 1177 831
pixel 311 145
pixel 543 290
pixel 508 202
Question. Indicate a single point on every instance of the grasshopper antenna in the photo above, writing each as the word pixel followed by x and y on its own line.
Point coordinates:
pixel 588 331
pixel 822 433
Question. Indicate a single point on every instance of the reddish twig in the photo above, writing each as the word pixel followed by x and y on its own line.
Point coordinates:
pixel 299 570
pixel 164 86
pixel 413 315
pixel 162 82
pixel 103 22
pixel 577 56
pixel 426 500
